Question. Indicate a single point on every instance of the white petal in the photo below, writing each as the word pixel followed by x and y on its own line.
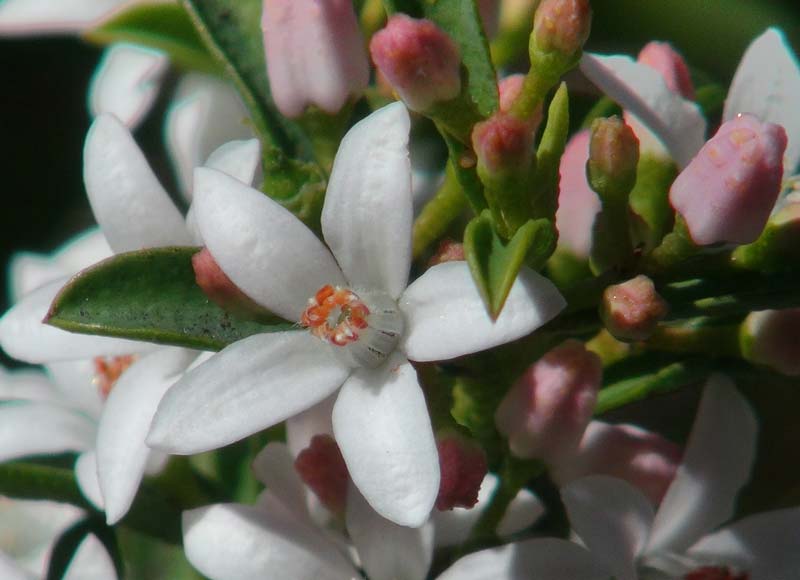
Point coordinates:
pixel 612 518
pixel 46 16
pixel 302 427
pixel 25 337
pixel 28 385
pixel 121 452
pixel 717 463
pixel 445 316
pixel 542 559
pixel 91 562
pixel 454 526
pixel 767 84
pixel 387 551
pixel 239 159
pixel 9 570
pixel 82 250
pixel 206 113
pixel 264 249
pixel 765 545
pixel 42 429
pixel 75 381
pixel 86 474
pixel 249 386
pixel 234 542
pixel 274 467
pixel 368 210
pixel 129 203
pixel 382 426
pixel 642 91
pixel 126 82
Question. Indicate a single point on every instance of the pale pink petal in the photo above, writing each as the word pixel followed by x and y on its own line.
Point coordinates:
pixel 274 467
pixel 23 17
pixel 577 203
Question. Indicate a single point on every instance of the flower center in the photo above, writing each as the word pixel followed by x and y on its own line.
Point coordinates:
pixel 365 327
pixel 107 371
pixel 715 573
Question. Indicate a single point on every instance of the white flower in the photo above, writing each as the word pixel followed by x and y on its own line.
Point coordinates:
pixel 380 419
pixel 617 523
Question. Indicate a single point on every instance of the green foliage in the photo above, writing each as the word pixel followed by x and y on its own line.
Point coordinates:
pixel 150 295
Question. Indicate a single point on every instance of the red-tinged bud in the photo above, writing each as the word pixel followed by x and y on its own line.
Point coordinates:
pixel 642 458
pixel 420 61
pixel 632 310
pixel 220 289
pixel 772 338
pixel 315 54
pixel 546 412
pixel 561 26
pixel 670 64
pixel 613 156
pixel 503 144
pixel 322 468
pixel 716 573
pixel 728 190
pixel 509 89
pixel 578 204
pixel 462 464
pixel 448 251
pixel 489 11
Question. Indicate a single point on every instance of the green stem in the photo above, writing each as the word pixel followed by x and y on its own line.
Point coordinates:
pixel 438 213
pixel 712 340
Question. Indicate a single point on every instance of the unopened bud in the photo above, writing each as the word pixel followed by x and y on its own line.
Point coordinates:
pixel 509 89
pixel 772 338
pixel 220 289
pixel 448 251
pixel 632 310
pixel 322 468
pixel 642 458
pixel 462 463
pixel 561 26
pixel 778 244
pixel 489 11
pixel 419 60
pixel 728 190
pixel 315 54
pixel 661 57
pixel 613 155
pixel 546 412
pixel 578 204
pixel 503 143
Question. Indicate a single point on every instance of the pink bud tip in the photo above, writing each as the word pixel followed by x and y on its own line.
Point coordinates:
pixel 420 61
pixel 613 153
pixel 562 25
pixel 772 338
pixel 463 466
pixel 322 468
pixel 503 143
pixel 632 310
pixel 670 64
pixel 509 88
pixel 315 54
pixel 578 205
pixel 546 412
pixel 642 458
pixel 448 251
pixel 728 190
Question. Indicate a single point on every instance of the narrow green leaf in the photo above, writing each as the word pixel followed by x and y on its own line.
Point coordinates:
pixel 150 295
pixel 464 165
pixel 548 155
pixel 495 264
pixel 461 20
pixel 65 548
pixel 232 34
pixel 157 25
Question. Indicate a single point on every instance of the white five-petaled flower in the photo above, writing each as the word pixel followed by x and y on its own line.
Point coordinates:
pixel 618 525
pixel 364 322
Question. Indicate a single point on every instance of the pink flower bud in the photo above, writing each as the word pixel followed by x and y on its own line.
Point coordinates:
pixel 420 61
pixel 220 289
pixel 772 338
pixel 322 468
pixel 728 190
pixel 613 156
pixel 509 88
pixel 670 64
pixel 448 251
pixel 632 310
pixel 315 54
pixel 503 143
pixel 642 458
pixel 546 412
pixel 562 25
pixel 578 204
pixel 463 466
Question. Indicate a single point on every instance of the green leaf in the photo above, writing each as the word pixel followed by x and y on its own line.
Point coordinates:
pixel 464 165
pixel 495 264
pixel 548 155
pixel 150 295
pixel 232 34
pixel 461 20
pixel 161 26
